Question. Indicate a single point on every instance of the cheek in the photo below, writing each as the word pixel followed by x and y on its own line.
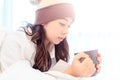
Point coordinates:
pixel 52 37
pixel 49 34
pixel 52 31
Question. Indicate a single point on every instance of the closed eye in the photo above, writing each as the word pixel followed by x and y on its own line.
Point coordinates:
pixel 62 24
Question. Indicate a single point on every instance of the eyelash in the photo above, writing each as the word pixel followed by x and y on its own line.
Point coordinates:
pixel 62 24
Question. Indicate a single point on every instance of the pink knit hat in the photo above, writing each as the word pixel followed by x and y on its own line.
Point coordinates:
pixel 49 10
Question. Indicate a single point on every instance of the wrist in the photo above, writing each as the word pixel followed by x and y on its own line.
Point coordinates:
pixel 69 71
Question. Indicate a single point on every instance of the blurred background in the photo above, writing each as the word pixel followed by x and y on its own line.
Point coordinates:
pixel 96 27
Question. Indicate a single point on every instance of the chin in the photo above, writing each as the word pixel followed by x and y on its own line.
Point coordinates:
pixel 57 42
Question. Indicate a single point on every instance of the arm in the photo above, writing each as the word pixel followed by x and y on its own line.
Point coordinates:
pixel 22 70
pixel 77 70
pixel 15 47
pixel 10 52
pixel 15 66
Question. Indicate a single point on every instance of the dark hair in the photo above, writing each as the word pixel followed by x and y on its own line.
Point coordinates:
pixel 42 57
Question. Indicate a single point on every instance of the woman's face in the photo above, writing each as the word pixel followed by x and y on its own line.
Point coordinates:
pixel 57 30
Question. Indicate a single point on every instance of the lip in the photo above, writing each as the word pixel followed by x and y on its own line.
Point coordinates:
pixel 60 38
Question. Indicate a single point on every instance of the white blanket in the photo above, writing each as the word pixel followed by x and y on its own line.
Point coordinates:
pixel 23 71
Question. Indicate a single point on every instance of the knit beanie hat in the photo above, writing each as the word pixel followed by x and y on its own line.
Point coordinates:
pixel 49 10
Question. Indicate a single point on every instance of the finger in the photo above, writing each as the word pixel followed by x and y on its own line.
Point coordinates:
pixel 81 54
pixel 82 59
pixel 99 54
pixel 98 68
pixel 99 58
pixel 90 67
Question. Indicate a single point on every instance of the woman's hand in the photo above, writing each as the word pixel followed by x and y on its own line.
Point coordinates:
pixel 83 66
pixel 98 67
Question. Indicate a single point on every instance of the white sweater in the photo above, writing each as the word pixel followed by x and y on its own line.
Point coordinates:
pixel 23 71
pixel 17 58
pixel 16 46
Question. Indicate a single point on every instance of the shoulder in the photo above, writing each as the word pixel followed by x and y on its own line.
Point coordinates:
pixel 17 36
pixel 17 44
pixel 19 39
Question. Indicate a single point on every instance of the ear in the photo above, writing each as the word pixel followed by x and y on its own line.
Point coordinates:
pixel 44 25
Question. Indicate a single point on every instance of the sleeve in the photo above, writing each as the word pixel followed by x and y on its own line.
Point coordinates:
pixel 10 52
pixel 59 66
pixel 22 70
pixel 58 71
pixel 62 76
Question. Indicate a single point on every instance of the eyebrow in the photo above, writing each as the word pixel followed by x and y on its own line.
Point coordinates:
pixel 67 20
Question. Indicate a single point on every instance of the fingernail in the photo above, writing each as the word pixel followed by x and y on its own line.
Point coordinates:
pixel 81 59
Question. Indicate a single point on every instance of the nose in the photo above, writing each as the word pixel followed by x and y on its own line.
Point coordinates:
pixel 65 31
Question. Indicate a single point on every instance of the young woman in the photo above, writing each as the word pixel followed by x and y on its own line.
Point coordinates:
pixel 42 44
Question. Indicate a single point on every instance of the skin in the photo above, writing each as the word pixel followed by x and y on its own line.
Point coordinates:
pixel 85 68
pixel 55 32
